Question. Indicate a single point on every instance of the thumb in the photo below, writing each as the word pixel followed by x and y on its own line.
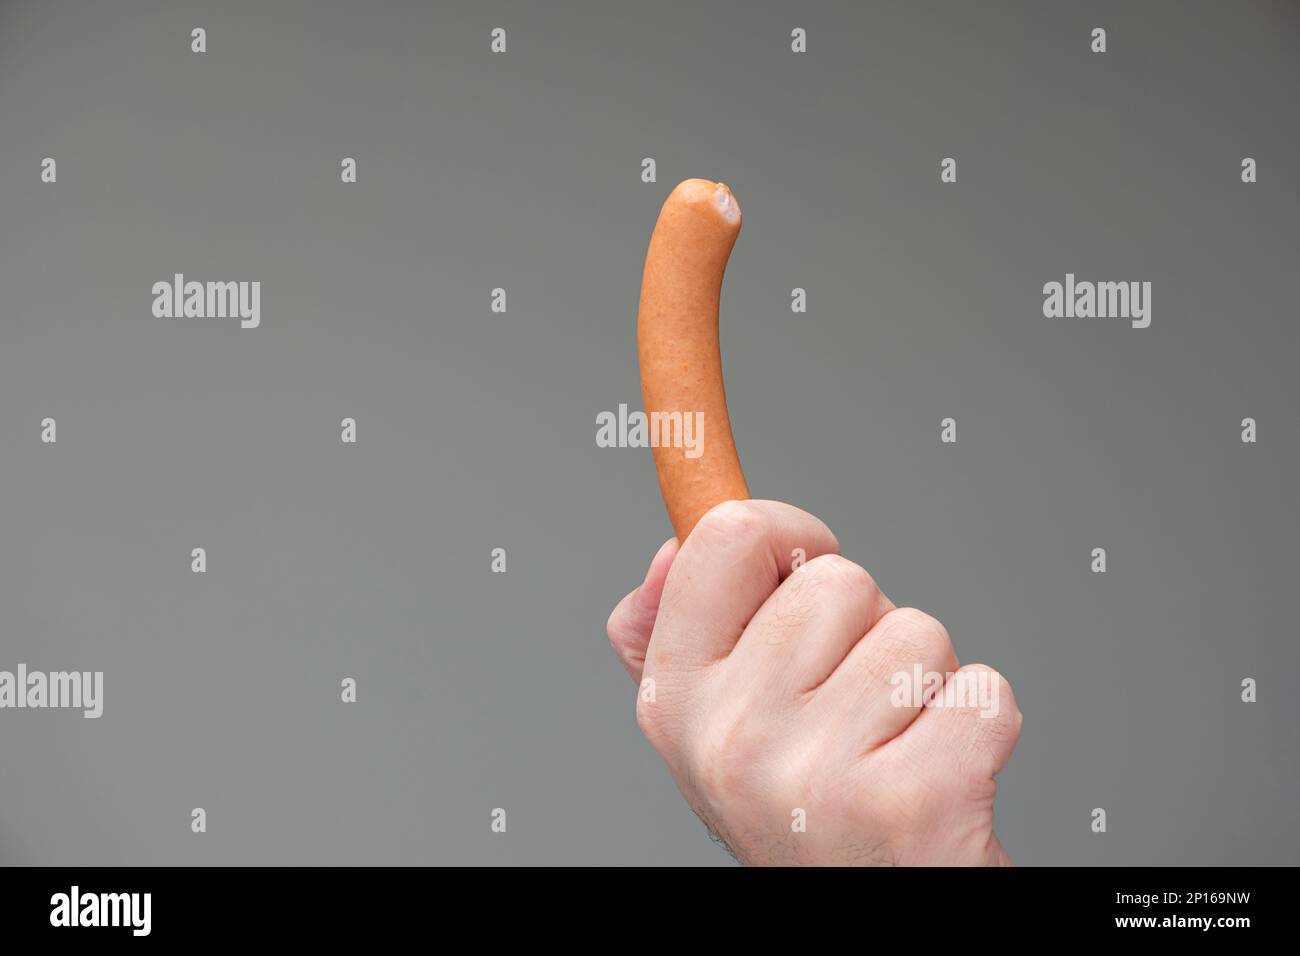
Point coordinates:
pixel 633 620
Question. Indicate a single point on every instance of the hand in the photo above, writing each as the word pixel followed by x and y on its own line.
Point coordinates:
pixel 785 702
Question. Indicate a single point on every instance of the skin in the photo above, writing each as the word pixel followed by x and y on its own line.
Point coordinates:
pixel 677 340
pixel 767 690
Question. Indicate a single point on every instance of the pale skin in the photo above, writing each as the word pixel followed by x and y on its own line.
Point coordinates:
pixel 767 691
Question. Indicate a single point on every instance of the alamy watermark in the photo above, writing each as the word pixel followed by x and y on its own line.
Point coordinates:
pixel 969 688
pixel 208 300
pixel 636 429
pixel 75 908
pixel 73 690
pixel 1074 299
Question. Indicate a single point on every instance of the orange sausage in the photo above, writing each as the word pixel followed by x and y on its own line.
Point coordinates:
pixel 677 338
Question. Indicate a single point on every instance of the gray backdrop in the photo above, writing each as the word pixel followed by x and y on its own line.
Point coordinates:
pixel 477 430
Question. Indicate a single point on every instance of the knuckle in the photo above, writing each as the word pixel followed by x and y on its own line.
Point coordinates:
pixel 992 720
pixel 993 674
pixel 731 521
pixel 827 581
pixel 1000 689
pixel 838 570
pixel 831 578
pixel 915 635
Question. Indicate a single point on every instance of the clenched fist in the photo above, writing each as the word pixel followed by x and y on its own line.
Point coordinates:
pixel 805 718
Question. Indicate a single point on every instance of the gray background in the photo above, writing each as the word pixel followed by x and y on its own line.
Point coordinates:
pixel 477 430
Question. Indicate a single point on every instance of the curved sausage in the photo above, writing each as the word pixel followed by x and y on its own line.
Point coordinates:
pixel 681 364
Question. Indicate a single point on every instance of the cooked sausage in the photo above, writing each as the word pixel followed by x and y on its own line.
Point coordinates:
pixel 677 338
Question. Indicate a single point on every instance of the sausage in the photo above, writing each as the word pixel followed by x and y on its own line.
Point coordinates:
pixel 677 340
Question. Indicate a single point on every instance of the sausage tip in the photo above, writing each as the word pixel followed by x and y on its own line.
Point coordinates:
pixel 705 193
pixel 726 203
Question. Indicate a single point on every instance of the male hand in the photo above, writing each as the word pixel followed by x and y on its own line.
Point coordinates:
pixel 785 704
